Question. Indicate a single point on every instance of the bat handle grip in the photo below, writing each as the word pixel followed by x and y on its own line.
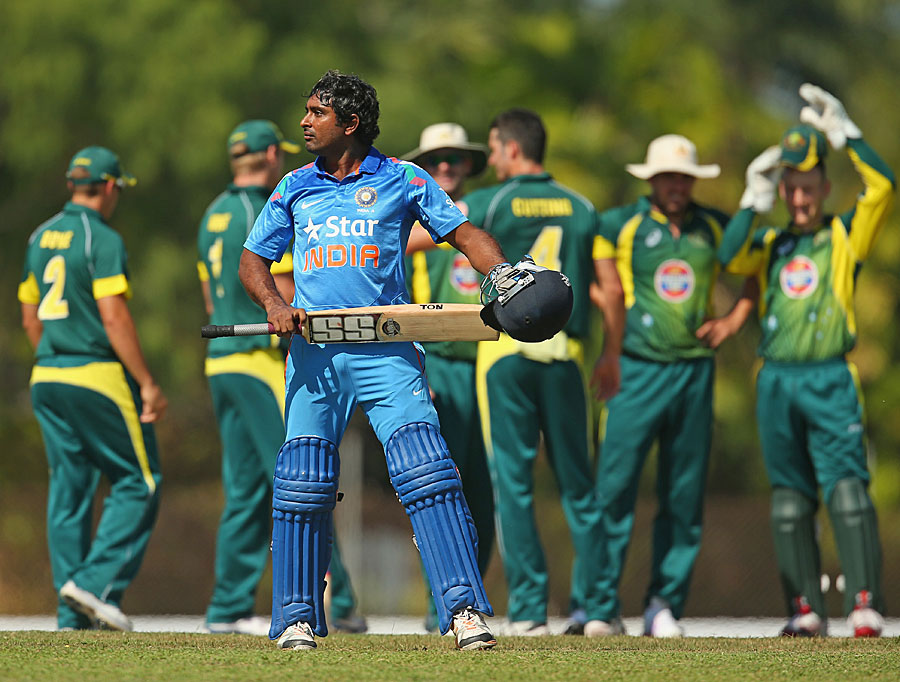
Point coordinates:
pixel 215 331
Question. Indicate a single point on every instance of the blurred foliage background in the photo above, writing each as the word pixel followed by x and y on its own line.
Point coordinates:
pixel 163 82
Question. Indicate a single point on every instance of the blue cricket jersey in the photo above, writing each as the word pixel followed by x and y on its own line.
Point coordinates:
pixel 350 235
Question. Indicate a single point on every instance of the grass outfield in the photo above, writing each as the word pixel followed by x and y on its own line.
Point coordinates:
pixel 79 656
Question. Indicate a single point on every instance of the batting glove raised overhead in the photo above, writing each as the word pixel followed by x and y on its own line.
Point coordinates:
pixel 826 113
pixel 762 180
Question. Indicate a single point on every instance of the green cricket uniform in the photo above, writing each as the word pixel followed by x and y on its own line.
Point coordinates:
pixel 88 408
pixel 246 378
pixel 528 389
pixel 666 391
pixel 809 405
pixel 444 275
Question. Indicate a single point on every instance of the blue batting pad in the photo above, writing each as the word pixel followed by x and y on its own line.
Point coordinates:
pixel 428 485
pixel 306 483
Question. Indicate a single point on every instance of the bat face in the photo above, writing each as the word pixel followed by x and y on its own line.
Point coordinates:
pixel 411 322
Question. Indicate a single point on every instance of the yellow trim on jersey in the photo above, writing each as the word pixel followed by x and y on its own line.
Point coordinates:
pixel 624 254
pixel 107 379
pixel 266 365
pixel 284 266
pixel 843 267
pixel 872 207
pixel 762 274
pixel 111 286
pixel 29 291
pixel 717 231
pixel 603 249
pixel 202 271
pixel 421 285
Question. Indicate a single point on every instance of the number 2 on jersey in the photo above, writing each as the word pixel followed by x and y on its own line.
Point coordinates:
pixel 545 249
pixel 53 305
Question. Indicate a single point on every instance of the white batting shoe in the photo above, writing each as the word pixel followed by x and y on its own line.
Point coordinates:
pixel 659 621
pixel 298 636
pixel 602 628
pixel 105 614
pixel 252 625
pixel 865 621
pixel 471 631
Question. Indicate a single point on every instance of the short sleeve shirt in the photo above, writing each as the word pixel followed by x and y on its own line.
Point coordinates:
pixel 350 234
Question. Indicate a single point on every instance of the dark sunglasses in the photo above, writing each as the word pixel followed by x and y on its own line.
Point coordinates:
pixel 437 159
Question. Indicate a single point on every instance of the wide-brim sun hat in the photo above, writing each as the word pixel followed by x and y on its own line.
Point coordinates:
pixel 672 154
pixel 449 136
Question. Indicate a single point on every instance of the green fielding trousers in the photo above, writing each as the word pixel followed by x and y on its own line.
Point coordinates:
pixel 343 601
pixel 524 399
pixel 452 383
pixel 811 429
pixel 670 403
pixel 86 434
pixel 252 432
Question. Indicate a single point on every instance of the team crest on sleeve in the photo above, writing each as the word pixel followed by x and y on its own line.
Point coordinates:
pixel 674 281
pixel 463 276
pixel 366 196
pixel 799 277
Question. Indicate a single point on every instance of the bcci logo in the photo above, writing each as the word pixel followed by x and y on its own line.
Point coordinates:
pixel 366 197
pixel 799 278
pixel 674 281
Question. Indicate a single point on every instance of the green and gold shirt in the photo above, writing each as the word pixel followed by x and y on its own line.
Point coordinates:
pixel 807 280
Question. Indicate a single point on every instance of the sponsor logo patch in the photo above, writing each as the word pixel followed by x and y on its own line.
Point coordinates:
pixel 463 277
pixel 799 277
pixel 674 281
pixel 366 196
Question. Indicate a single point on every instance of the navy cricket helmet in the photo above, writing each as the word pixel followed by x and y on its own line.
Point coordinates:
pixel 537 312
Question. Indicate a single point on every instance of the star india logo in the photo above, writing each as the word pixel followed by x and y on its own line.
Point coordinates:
pixel 366 196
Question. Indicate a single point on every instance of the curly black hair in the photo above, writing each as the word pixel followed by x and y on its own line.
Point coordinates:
pixel 349 94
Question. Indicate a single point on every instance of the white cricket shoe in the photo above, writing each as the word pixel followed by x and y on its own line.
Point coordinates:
pixel 659 621
pixel 105 614
pixel 865 621
pixel 805 622
pixel 526 628
pixel 602 628
pixel 804 625
pixel 251 625
pixel 471 631
pixel 297 636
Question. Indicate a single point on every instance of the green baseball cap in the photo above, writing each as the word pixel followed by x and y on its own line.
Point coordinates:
pixel 259 135
pixel 101 165
pixel 802 147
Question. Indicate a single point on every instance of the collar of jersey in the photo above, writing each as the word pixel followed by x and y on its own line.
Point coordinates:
pixel 645 206
pixel 72 207
pixel 530 177
pixel 369 165
pixel 248 188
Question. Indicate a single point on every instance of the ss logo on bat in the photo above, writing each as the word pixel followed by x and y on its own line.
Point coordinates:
pixel 351 328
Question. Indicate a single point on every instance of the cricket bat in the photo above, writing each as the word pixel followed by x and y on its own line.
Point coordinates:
pixel 373 324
